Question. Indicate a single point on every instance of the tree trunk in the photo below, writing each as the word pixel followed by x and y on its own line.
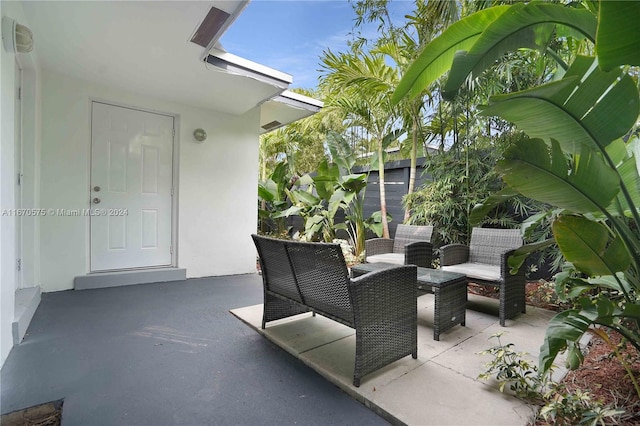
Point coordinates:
pixel 412 170
pixel 383 196
pixel 263 203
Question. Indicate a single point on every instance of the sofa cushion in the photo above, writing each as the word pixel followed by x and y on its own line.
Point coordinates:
pixel 395 258
pixel 478 271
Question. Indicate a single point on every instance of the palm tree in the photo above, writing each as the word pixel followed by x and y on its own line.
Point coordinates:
pixel 360 85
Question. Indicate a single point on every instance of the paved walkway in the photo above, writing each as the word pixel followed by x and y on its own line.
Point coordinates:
pixel 441 386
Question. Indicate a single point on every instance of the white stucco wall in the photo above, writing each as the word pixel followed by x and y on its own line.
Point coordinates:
pixel 217 182
pixel 7 223
pixel 8 174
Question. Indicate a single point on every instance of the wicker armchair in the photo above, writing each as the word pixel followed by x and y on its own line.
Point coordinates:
pixel 484 262
pixel 411 246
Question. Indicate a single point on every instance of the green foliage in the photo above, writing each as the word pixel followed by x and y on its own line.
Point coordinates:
pixel 616 42
pixel 454 186
pixel 575 160
pixel 558 405
pixel 334 187
pixel 458 181
pixel 272 195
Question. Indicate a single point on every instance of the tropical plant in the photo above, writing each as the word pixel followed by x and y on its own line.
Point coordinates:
pixel 272 194
pixel 334 187
pixel 581 158
pixel 361 84
pixel 558 405
pixel 301 142
pixel 444 200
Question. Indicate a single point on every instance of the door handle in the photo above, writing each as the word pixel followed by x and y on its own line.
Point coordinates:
pixel 96 200
pixel 96 188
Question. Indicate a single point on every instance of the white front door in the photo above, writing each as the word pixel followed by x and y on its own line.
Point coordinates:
pixel 131 181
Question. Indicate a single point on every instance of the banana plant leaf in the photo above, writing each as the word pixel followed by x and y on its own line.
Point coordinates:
pixel 523 26
pixel 625 156
pixel 587 107
pixel 304 197
pixel 479 211
pixel 618 282
pixel 587 245
pixel 567 326
pixel 587 186
pixel 291 211
pixel 341 152
pixel 353 183
pixel 437 57
pixel 267 190
pixel 618 36
pixel 520 255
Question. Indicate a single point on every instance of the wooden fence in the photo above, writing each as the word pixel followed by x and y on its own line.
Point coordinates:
pixel 396 185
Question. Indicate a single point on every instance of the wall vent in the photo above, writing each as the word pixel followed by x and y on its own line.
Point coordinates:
pixel 210 26
pixel 272 125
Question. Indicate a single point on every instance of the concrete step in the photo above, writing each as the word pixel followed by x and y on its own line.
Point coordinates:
pixel 122 278
pixel 26 303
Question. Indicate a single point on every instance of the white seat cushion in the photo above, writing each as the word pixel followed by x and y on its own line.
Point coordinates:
pixel 479 271
pixel 395 258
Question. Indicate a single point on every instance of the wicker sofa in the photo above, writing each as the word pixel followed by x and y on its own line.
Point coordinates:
pixel 484 261
pixel 381 306
pixel 411 246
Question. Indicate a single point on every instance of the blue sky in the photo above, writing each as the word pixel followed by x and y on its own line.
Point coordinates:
pixel 290 35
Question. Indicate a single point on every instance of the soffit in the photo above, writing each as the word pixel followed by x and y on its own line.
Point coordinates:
pixel 143 47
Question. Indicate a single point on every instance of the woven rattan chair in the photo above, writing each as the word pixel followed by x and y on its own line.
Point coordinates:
pixel 381 306
pixel 411 246
pixel 484 262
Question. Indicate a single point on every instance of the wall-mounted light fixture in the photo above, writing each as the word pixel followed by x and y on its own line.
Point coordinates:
pixel 199 135
pixel 16 38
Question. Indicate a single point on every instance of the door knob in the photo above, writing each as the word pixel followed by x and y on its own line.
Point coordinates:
pixel 96 200
pixel 96 188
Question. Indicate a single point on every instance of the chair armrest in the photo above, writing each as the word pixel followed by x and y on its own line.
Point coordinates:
pixel 419 253
pixel 378 246
pixel 452 254
pixel 382 295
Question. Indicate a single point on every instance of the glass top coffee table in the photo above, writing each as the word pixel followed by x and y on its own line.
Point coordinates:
pixel 449 289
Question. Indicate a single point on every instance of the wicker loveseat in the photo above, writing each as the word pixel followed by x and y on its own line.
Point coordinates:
pixel 484 261
pixel 411 246
pixel 380 306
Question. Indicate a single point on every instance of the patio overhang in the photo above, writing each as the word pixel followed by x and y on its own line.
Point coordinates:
pixel 168 50
pixel 285 109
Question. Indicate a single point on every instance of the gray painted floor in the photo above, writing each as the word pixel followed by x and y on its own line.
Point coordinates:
pixel 168 353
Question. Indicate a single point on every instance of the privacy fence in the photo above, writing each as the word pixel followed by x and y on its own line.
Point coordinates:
pixel 396 185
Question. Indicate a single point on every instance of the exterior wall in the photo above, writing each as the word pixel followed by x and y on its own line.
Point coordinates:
pixel 217 181
pixel 7 223
pixel 8 173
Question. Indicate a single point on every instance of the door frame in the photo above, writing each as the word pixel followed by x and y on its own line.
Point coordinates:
pixel 18 173
pixel 175 170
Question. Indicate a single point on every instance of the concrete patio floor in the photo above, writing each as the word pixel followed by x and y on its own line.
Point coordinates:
pixel 438 388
